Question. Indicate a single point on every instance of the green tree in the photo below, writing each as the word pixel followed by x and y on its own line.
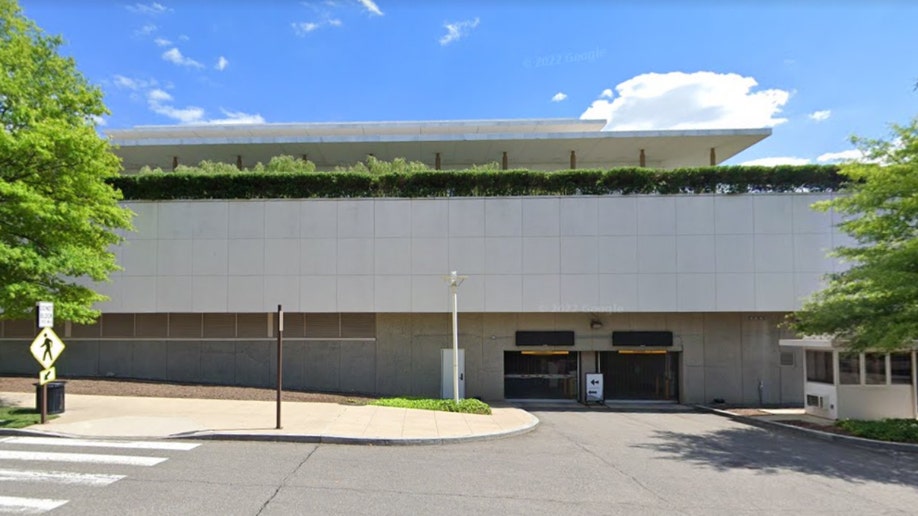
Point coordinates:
pixel 58 217
pixel 874 304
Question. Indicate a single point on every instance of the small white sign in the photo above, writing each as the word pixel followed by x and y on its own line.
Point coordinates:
pixel 45 314
pixel 594 388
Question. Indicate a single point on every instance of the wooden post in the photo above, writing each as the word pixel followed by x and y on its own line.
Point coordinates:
pixel 437 162
pixel 305 157
pixel 643 159
pixel 174 163
pixel 713 157
pixel 239 162
pixel 573 160
pixel 504 162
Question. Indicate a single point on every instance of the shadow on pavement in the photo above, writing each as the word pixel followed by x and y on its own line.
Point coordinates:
pixel 771 453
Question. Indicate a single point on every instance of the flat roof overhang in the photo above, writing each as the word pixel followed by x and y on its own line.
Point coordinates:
pixel 528 143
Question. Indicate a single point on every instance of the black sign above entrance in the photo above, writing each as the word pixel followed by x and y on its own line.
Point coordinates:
pixel 650 339
pixel 544 338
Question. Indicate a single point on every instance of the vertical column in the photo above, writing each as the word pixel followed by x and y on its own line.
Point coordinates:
pixel 305 157
pixel 437 162
pixel 713 157
pixel 174 163
pixel 643 159
pixel 504 162
pixel 239 162
pixel 573 160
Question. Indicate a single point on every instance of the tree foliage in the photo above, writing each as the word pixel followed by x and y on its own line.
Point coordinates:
pixel 58 215
pixel 874 303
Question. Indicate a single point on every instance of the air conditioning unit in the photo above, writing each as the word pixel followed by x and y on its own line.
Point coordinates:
pixel 813 400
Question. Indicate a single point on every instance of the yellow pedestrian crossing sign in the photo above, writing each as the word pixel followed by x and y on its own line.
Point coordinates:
pixel 48 375
pixel 46 347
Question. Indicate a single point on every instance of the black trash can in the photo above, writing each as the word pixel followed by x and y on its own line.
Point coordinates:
pixel 55 397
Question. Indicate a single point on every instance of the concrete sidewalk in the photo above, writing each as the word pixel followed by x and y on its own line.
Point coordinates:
pixel 117 416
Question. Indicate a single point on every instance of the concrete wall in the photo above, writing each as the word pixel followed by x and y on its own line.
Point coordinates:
pixel 876 402
pixel 651 254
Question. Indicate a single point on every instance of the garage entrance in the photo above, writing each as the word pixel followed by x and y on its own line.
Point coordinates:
pixel 640 375
pixel 540 374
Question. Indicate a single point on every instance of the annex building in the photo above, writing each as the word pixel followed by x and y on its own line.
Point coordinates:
pixel 670 297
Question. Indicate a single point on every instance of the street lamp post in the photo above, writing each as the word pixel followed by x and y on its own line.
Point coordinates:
pixel 454 281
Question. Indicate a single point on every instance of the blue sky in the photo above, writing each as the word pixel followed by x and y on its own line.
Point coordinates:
pixel 816 71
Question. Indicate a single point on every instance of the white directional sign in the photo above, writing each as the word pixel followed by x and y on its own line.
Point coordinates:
pixel 46 347
pixel 45 314
pixel 47 375
pixel 594 388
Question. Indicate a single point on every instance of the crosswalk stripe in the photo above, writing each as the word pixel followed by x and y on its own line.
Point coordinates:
pixel 137 445
pixel 91 458
pixel 58 477
pixel 28 505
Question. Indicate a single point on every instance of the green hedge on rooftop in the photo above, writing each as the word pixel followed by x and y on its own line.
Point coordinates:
pixel 479 183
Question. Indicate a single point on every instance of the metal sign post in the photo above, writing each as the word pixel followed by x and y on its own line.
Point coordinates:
pixel 280 360
pixel 45 348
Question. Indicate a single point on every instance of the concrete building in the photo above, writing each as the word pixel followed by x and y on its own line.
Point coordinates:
pixel 671 297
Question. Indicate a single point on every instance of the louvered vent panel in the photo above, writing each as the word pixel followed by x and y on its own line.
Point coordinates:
pixel 151 325
pixel 358 325
pixel 185 326
pixel 85 331
pixel 294 324
pixel 322 325
pixel 118 325
pixel 252 325
pixel 219 325
pixel 21 328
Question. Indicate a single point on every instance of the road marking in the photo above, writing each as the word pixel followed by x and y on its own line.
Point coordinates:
pixel 58 477
pixel 89 458
pixel 136 445
pixel 28 505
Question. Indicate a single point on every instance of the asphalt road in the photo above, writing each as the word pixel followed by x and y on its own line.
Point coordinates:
pixel 579 461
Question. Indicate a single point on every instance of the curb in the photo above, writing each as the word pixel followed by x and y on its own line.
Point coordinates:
pixel 294 438
pixel 816 434
pixel 365 441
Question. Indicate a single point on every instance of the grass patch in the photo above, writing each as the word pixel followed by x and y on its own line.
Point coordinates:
pixel 893 430
pixel 466 406
pixel 19 417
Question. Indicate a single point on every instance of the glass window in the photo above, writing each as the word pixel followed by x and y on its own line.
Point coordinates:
pixel 819 367
pixel 849 368
pixel 874 369
pixel 901 368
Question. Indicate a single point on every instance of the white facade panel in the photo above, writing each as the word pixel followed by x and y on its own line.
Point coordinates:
pixel 392 218
pixel 695 215
pixel 646 254
pixel 503 217
pixel 808 220
pixel 246 219
pixel 541 216
pixel 656 215
pixel 733 214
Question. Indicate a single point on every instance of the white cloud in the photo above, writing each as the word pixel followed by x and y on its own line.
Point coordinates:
pixel 162 42
pixel 700 100
pixel 371 7
pixel 150 9
pixel 222 63
pixel 819 116
pixel 559 97
pixel 236 117
pixel 146 30
pixel 779 160
pixel 98 120
pixel 173 55
pixel 606 93
pixel 158 95
pixel 303 28
pixel 835 157
pixel 334 22
pixel 456 31
pixel 130 83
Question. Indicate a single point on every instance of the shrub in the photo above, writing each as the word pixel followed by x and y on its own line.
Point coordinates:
pixel 467 406
pixel 895 430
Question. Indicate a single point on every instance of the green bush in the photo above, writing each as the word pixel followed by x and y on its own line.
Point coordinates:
pixel 895 430
pixel 404 179
pixel 467 406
